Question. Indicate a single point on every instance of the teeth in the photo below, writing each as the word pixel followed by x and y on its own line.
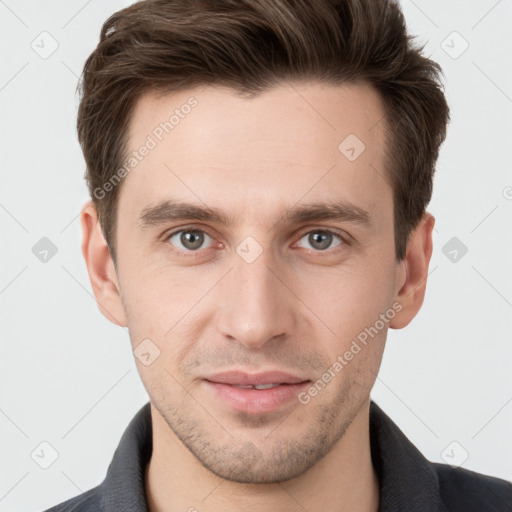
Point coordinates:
pixel 259 386
pixel 266 386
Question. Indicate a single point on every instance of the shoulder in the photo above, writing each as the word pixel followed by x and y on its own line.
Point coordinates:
pixel 88 501
pixel 468 491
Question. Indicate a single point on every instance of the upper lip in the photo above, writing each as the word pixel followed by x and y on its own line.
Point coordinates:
pixel 239 378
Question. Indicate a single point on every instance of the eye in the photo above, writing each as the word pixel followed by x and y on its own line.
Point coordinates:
pixel 321 239
pixel 190 239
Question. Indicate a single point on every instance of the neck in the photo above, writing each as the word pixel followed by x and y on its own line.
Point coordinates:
pixel 176 481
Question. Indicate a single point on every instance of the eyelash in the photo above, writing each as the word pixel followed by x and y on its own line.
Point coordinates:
pixel 189 253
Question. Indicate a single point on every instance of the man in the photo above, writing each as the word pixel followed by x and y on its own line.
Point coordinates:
pixel 259 172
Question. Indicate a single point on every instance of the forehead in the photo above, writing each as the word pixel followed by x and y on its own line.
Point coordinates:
pixel 211 146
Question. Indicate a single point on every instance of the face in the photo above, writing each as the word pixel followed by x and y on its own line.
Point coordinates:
pixel 256 250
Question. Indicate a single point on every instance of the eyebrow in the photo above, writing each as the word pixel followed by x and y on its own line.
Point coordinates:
pixel 170 210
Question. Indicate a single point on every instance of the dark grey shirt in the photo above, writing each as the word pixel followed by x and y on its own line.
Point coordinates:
pixel 408 481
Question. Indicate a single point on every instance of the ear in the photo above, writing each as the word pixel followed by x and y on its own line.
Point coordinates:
pixel 101 269
pixel 413 272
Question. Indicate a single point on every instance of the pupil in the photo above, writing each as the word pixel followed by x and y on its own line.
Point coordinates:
pixel 191 239
pixel 324 236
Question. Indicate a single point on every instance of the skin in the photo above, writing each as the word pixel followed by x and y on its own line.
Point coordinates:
pixel 295 308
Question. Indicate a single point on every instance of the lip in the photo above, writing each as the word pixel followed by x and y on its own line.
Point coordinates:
pixel 236 377
pixel 223 386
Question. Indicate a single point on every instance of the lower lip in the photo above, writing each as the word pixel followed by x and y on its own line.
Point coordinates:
pixel 256 401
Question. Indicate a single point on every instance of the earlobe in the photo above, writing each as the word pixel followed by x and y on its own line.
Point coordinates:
pixel 102 273
pixel 413 272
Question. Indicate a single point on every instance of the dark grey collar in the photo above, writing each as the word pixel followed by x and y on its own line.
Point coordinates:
pixel 408 481
pixel 123 487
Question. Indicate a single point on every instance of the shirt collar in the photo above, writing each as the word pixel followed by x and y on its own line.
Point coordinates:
pixel 408 481
pixel 123 487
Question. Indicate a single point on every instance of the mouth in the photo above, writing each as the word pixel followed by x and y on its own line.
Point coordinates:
pixel 255 393
pixel 260 386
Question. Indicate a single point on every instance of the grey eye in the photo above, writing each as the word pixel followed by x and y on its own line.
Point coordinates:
pixel 190 239
pixel 321 240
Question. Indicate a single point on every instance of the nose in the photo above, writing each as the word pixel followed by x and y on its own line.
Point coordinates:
pixel 256 302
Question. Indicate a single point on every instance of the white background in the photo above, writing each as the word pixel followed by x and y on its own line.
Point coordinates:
pixel 68 377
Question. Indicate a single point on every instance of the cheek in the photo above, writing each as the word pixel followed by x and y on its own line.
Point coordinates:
pixel 155 295
pixel 351 296
pixel 162 305
pixel 356 303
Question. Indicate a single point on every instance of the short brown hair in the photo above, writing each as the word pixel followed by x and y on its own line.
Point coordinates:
pixel 250 46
